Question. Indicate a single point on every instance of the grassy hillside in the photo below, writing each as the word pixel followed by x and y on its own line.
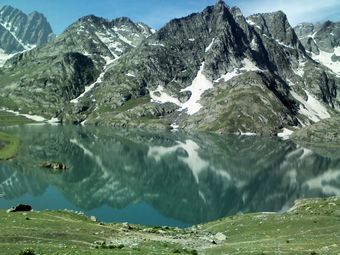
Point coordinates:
pixel 311 227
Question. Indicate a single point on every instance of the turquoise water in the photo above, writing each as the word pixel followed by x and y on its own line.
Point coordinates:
pixel 169 178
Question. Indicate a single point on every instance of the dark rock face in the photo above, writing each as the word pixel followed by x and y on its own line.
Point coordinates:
pixel 191 73
pixel 19 31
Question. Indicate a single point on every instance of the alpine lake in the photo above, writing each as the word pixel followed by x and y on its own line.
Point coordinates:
pixel 162 178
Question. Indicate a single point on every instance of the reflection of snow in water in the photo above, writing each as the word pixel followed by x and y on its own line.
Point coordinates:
pixel 88 153
pixel 325 182
pixel 193 160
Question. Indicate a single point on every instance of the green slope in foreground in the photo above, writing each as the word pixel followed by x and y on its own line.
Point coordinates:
pixel 311 227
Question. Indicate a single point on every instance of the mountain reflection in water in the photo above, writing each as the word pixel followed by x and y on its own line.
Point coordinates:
pixel 183 178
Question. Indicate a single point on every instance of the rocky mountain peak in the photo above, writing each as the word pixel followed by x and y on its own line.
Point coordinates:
pixel 122 21
pixel 276 25
pixel 20 32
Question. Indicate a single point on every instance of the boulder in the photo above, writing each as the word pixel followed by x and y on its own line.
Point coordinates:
pixel 53 165
pixel 20 208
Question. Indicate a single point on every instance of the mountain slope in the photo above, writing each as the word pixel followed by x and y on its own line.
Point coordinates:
pixel 214 71
pixel 20 32
pixel 49 77
pixel 322 42
pixel 220 51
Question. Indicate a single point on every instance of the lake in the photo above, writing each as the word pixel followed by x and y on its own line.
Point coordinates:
pixel 162 178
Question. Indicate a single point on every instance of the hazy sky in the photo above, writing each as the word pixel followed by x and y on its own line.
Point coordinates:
pixel 156 13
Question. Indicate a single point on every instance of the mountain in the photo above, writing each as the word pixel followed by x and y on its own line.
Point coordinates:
pixel 52 75
pixel 322 42
pixel 20 32
pixel 212 71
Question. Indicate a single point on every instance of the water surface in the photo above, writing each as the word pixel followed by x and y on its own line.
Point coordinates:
pixel 172 178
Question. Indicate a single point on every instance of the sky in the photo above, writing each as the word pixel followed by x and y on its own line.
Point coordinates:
pixel 155 13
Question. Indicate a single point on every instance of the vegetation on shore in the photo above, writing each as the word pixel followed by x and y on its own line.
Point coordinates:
pixel 9 145
pixel 311 227
pixel 10 119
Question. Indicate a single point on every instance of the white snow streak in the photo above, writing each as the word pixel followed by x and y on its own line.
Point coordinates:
pixel 157 44
pixel 99 80
pixel 36 118
pixel 210 45
pixel 284 45
pixel 7 26
pixel 252 23
pixel 247 66
pixel 130 75
pixel 312 108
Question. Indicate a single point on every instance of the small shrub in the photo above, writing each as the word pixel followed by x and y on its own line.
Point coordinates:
pixel 27 251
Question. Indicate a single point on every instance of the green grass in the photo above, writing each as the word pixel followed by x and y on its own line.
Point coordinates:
pixel 8 146
pixel 312 228
pixel 132 103
pixel 10 119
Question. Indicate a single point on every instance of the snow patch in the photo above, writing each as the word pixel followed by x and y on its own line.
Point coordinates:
pixel 110 43
pixel 210 45
pixel 285 134
pixel 123 38
pixel 246 133
pixel 199 85
pixel 252 23
pixel 247 66
pixel 157 44
pixel 159 96
pixel 300 71
pixel 130 75
pixel 325 58
pixel 4 57
pixel 174 126
pixel 312 108
pixel 284 45
pixel 145 31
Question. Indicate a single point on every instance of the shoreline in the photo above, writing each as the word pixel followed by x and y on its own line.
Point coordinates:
pixel 311 226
